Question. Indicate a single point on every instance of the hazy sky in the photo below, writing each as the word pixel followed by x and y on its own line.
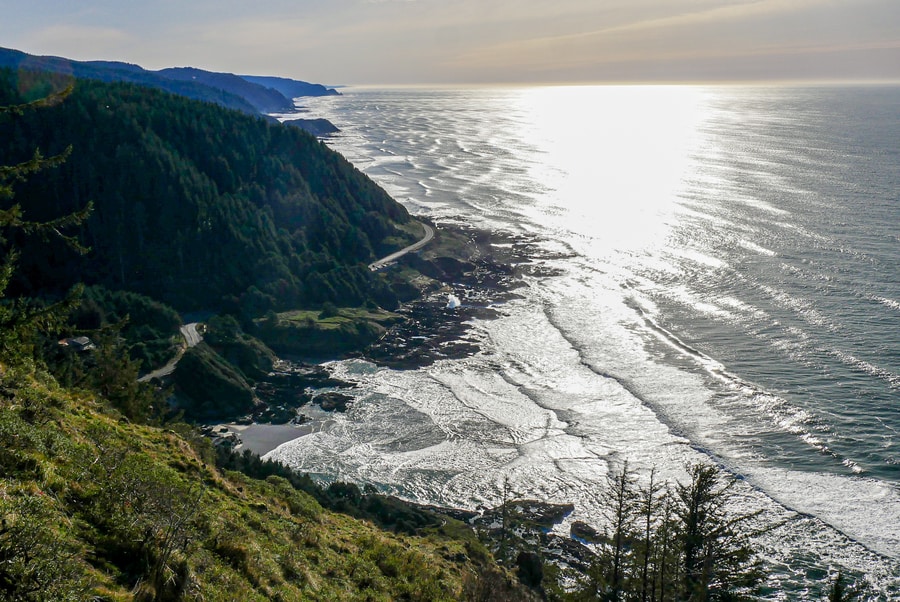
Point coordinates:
pixel 474 41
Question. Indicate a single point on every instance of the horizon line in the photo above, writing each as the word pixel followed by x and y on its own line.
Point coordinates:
pixel 795 82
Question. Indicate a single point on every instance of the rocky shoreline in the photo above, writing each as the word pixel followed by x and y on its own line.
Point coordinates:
pixel 480 273
pixel 478 270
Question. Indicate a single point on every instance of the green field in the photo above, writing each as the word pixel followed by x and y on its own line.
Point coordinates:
pixel 344 315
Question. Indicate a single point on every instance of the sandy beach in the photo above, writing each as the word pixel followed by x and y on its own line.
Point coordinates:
pixel 263 438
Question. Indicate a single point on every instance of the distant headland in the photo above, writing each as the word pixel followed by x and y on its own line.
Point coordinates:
pixel 246 93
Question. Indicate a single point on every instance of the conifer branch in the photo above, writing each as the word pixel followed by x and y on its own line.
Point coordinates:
pixel 47 101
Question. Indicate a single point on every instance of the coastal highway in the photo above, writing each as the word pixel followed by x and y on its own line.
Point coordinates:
pixel 429 234
pixel 191 338
pixel 190 334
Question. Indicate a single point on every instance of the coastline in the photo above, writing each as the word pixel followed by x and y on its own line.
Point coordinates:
pixel 478 267
pixel 592 331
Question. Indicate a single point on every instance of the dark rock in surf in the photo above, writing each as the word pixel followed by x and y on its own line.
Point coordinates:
pixel 333 401
pixel 585 532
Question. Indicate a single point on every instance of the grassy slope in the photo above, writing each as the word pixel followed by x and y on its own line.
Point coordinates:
pixel 344 315
pixel 108 505
pixel 308 333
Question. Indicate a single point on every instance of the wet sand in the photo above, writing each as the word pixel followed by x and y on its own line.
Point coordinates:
pixel 263 438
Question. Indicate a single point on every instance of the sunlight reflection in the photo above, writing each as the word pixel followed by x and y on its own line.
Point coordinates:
pixel 633 143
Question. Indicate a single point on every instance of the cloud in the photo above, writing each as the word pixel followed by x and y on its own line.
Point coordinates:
pixel 270 35
pixel 718 13
pixel 660 40
pixel 434 41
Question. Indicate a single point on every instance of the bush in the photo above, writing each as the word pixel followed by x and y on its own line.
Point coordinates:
pixel 329 310
pixel 38 561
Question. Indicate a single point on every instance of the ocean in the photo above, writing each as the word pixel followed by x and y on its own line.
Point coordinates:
pixel 725 287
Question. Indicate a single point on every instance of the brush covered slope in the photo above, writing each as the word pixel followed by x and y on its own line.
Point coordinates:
pixel 97 507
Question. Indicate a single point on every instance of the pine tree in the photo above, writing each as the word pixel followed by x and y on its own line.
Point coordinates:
pixel 505 521
pixel 649 506
pixel 681 543
pixel 666 553
pixel 716 558
pixel 619 501
pixel 38 558
pixel 20 318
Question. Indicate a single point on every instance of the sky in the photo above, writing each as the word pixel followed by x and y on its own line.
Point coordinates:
pixel 354 42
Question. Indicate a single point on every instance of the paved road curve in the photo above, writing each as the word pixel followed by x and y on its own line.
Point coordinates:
pixel 190 334
pixel 429 234
pixel 191 337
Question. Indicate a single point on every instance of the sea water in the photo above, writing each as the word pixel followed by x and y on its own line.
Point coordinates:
pixel 726 289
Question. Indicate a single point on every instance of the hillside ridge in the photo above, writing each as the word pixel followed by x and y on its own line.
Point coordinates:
pixel 248 94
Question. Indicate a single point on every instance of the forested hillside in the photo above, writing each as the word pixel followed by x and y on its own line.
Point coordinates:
pixel 194 204
pixel 266 99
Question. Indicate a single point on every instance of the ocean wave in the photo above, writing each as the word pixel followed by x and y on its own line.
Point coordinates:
pixel 886 302
pixel 850 504
pixel 752 246
pixel 867 367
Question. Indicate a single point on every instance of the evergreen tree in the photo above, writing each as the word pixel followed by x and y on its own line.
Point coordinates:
pixel 35 554
pixel 22 318
pixel 505 520
pixel 649 503
pixel 679 544
pixel 717 561
pixel 666 553
pixel 619 501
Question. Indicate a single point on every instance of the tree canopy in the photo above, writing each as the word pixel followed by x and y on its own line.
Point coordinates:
pixel 195 205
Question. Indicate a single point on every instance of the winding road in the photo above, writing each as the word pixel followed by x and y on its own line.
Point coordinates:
pixel 191 338
pixel 429 234
pixel 190 334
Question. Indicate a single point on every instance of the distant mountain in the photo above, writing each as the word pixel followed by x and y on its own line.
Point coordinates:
pixel 115 65
pixel 291 88
pixel 265 99
pixel 242 93
pixel 108 71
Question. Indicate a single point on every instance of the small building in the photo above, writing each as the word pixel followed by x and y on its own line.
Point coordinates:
pixel 78 343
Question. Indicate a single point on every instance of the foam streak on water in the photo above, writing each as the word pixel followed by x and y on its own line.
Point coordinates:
pixel 727 292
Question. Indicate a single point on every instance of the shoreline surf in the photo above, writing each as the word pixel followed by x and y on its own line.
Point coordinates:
pixel 725 250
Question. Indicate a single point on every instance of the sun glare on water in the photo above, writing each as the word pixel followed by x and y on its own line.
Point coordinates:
pixel 612 158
